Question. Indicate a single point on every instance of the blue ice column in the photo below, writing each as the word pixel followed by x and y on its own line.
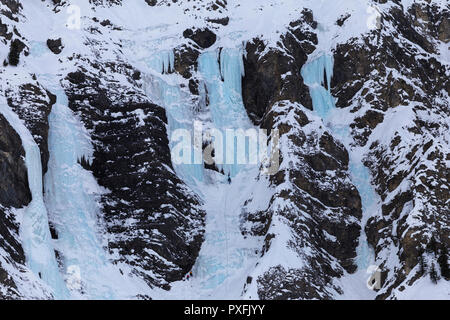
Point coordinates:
pixel 223 81
pixel 361 179
pixel 315 74
pixel 73 207
pixel 224 253
pixel 162 62
pixel 71 204
pixel 179 111
pixel 34 229
pixel 222 73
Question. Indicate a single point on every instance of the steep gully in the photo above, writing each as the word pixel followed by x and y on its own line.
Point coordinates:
pixel 315 73
pixel 226 257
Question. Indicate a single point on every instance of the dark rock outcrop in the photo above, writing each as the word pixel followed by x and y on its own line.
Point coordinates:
pixel 393 77
pixel 55 45
pixel 14 193
pixel 204 38
pixel 275 76
pixel 313 197
pixel 33 104
pixel 154 222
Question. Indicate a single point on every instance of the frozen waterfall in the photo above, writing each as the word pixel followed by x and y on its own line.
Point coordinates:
pixel 226 257
pixel 317 75
pixel 34 228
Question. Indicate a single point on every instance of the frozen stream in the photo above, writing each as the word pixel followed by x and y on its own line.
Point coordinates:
pixel 70 194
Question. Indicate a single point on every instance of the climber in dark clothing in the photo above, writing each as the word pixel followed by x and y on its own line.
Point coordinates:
pixel 229 179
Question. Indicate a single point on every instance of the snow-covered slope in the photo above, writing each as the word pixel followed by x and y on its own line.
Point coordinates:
pixel 96 204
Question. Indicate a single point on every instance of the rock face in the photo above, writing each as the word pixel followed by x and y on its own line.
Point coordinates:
pixel 393 80
pixel 32 104
pixel 299 203
pixel 155 224
pixel 14 185
pixel 204 38
pixel 274 75
pixel 314 167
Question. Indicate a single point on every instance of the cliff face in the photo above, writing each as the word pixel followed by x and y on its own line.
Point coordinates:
pixel 154 222
pixel 151 222
pixel 358 96
pixel 395 80
pixel 15 193
pixel 314 198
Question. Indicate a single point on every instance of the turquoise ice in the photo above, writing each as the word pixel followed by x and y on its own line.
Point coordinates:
pixel 226 257
pixel 316 75
pixel 72 204
pixel 34 228
pixel 222 71
pixel 179 112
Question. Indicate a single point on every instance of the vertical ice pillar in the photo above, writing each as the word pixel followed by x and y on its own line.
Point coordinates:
pixel 162 62
pixel 222 73
pixel 225 254
pixel 317 75
pixel 34 228
pixel 180 116
pixel 70 198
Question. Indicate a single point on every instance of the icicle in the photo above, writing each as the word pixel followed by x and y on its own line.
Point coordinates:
pixel 179 113
pixel 313 74
pixel 162 62
pixel 222 73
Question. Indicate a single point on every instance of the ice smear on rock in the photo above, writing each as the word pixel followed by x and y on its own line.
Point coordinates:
pixel 317 75
pixel 70 197
pixel 163 89
pixel 84 269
